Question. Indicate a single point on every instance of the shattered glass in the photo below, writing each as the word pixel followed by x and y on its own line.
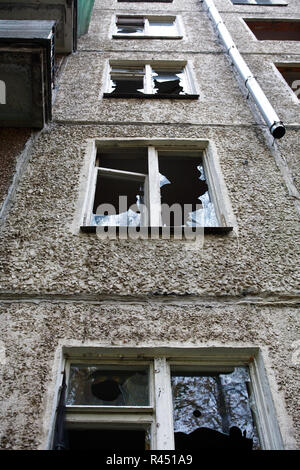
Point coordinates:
pixel 126 80
pixel 169 82
pixel 187 187
pixel 109 209
pixel 217 402
pixel 107 386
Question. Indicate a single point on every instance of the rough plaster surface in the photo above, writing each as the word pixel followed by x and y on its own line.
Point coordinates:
pixel 40 254
pixel 32 334
pixel 12 142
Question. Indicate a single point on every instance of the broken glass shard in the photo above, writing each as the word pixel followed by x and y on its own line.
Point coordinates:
pixel 107 386
pixel 169 82
pixel 221 402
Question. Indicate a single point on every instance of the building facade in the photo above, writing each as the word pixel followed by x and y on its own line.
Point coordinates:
pixel 168 341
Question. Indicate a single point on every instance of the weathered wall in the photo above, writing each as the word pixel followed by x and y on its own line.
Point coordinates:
pixel 58 285
pixel 12 142
pixel 33 332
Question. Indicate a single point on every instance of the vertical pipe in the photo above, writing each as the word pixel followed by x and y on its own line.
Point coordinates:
pixel 276 127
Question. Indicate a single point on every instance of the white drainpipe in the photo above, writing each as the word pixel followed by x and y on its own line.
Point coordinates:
pixel 276 127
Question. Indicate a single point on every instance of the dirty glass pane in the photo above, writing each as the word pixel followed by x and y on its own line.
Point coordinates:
pixel 168 82
pixel 108 386
pixel 184 183
pixel 126 80
pixel 130 26
pixel 162 28
pixel 215 402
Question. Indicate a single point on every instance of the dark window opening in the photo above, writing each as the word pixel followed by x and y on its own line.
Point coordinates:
pixel 291 74
pixel 130 164
pixel 106 439
pixel 183 182
pixel 275 30
pixel 168 83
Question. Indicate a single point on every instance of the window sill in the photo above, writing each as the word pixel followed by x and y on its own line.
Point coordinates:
pixel 119 36
pixel 159 230
pixel 150 96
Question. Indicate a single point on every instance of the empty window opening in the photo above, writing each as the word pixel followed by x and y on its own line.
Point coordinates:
pixel 150 80
pixel 2 92
pixel 139 27
pixel 213 411
pixel 142 186
pixel 120 187
pixel 291 74
pixel 275 30
pixel 184 183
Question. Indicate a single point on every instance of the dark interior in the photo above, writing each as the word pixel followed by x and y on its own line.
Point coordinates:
pixel 275 30
pixel 106 439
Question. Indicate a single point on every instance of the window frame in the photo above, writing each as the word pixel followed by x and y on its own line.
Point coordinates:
pixel 147 34
pixel 281 3
pixel 149 66
pixel 246 19
pixel 159 415
pixel 214 178
pixel 279 65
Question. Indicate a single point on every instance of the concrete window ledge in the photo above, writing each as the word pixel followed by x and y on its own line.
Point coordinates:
pixel 159 230
pixel 150 96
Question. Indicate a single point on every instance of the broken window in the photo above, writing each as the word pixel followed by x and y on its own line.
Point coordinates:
pixel 260 2
pixel 150 81
pixel 139 27
pixel 274 30
pixel 291 74
pixel 153 402
pixel 149 186
pixel 108 385
pixel 213 410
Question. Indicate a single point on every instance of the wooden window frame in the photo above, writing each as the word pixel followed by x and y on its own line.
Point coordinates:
pixel 159 414
pixel 216 185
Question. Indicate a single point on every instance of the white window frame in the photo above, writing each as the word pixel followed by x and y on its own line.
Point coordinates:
pixel 149 66
pixel 214 178
pixel 147 31
pixel 159 414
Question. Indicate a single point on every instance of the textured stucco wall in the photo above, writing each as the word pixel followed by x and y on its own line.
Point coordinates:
pixel 12 142
pixel 33 334
pixel 40 254
pixel 58 285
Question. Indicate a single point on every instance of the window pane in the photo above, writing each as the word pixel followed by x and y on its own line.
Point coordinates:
pixel 187 187
pixel 162 28
pixel 169 82
pixel 207 407
pixel 292 76
pixel 108 386
pixel 111 187
pixel 130 26
pixel 126 80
